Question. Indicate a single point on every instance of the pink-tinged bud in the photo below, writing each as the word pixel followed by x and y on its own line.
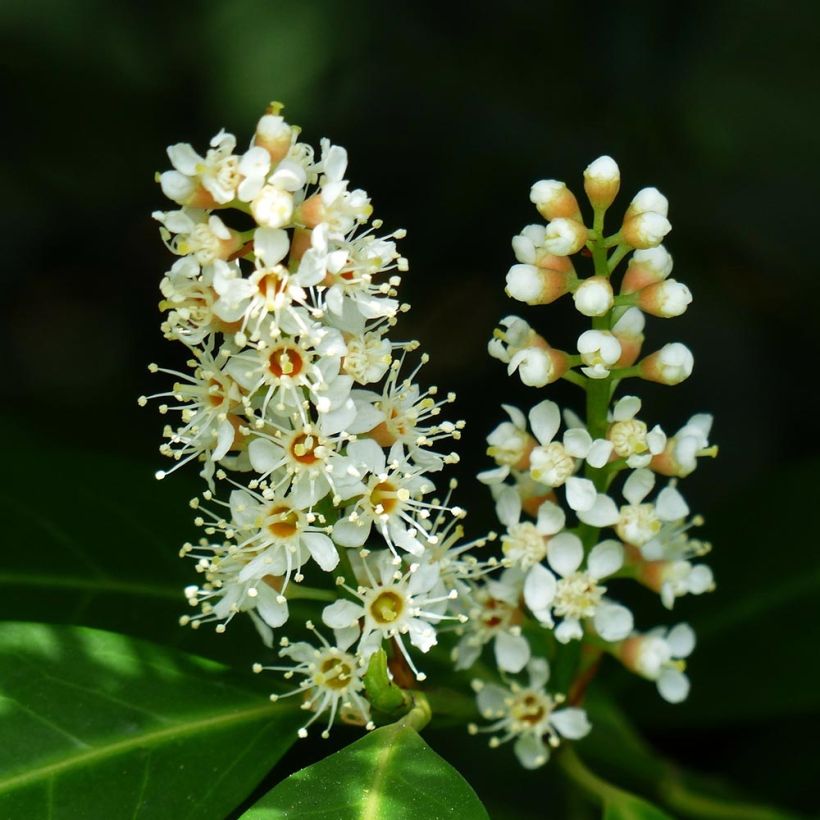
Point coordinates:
pixel 665 299
pixel 299 245
pixel 312 211
pixel 537 285
pixel 564 237
pixel 645 268
pixel 628 330
pixel 648 199
pixel 594 296
pixel 185 190
pixel 645 230
pixel 602 180
pixel 532 500
pixel 554 200
pixel 274 134
pixel 539 366
pixel 671 365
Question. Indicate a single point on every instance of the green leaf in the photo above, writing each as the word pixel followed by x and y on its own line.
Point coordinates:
pixel 103 551
pixel 391 774
pixel 98 725
pixel 628 807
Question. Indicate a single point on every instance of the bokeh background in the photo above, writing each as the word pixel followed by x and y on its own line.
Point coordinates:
pixel 449 113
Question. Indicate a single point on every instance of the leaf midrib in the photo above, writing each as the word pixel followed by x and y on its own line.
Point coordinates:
pixel 100 584
pixel 370 809
pixel 153 738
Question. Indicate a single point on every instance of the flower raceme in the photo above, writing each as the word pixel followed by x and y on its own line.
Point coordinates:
pixel 586 511
pixel 314 437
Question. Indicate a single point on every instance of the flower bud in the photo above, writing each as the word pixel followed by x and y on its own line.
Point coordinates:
pixel 185 190
pixel 628 330
pixel 564 236
pixel 272 207
pixel 602 179
pixel 525 245
pixel 670 365
pixel 665 299
pixel 600 351
pixel 645 230
pixel 554 200
pixel 648 199
pixel 646 267
pixel 537 366
pixel 536 285
pixel 274 135
pixel 594 296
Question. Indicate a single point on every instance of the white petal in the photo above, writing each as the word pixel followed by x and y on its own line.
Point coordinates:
pixel 599 452
pixel 539 588
pixel 569 630
pixel 577 442
pixel 492 700
pixel 321 549
pixel 264 455
pixel 346 637
pixel 366 452
pixel 539 672
pixel 270 610
pixel 681 640
pixel 545 419
pixel 270 245
pixel 494 476
pixel 508 506
pixel 565 553
pixel 571 723
pixel 511 652
pixel 626 408
pixel 613 622
pixel 467 652
pixel 341 614
pixel 673 686
pixel 671 505
pixel 603 513
pixel 581 493
pixel 531 751
pixel 639 485
pixel 551 518
pixel 349 533
pixel 605 558
pixel 516 416
pixel 422 634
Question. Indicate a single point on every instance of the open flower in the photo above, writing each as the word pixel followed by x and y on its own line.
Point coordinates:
pixel 529 715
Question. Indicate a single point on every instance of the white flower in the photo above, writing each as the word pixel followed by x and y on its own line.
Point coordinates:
pixel 629 436
pixel 331 679
pixel 509 446
pixel 395 604
pixel 680 457
pixel 659 656
pixel 576 595
pixel 495 615
pixel 217 172
pixel 600 351
pixel 272 207
pixel 529 715
pixel 554 200
pixel 594 296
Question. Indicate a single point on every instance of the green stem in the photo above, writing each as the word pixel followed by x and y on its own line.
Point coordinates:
pixel 619 253
pixel 575 378
pixel 297 591
pixel 593 785
pixel 419 716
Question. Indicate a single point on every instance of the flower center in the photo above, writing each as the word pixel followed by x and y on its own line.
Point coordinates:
pixel 628 437
pixel 285 361
pixel 495 614
pixel 384 497
pixel 387 607
pixel 577 596
pixel 529 708
pixel 303 448
pixel 285 521
pixel 334 672
pixel 551 465
pixel 638 524
pixel 523 543
pixel 270 285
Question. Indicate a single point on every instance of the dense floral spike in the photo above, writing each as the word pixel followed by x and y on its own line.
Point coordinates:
pixel 314 437
pixel 584 511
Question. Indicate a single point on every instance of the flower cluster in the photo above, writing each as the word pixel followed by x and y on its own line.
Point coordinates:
pixel 598 502
pixel 315 439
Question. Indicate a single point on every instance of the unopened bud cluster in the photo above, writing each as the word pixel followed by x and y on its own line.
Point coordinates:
pixel 590 508
pixel 314 438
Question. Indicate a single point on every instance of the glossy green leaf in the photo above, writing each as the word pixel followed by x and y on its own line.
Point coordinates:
pixel 96 725
pixel 391 774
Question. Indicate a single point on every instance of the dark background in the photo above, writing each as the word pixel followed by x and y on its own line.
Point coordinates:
pixel 449 113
